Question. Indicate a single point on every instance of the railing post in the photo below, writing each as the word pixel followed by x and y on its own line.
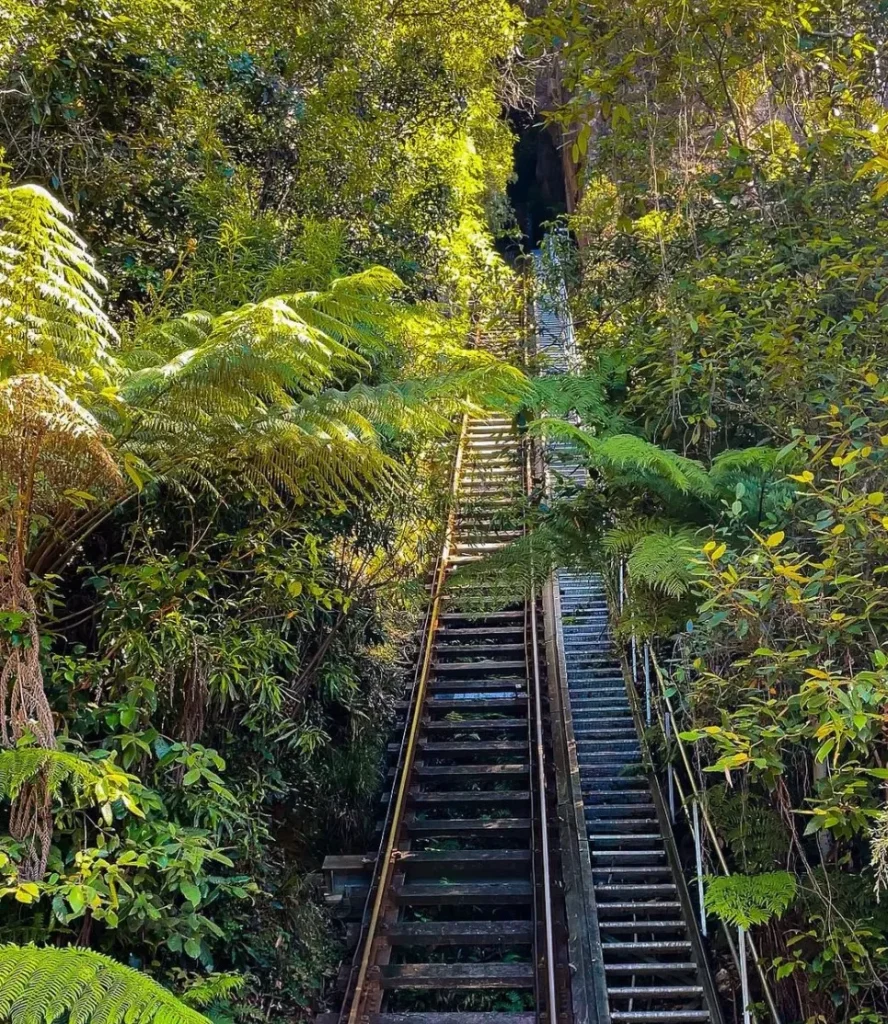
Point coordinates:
pixel 744 977
pixel 670 771
pixel 647 681
pixel 698 851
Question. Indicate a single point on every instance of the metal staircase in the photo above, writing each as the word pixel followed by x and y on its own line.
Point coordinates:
pixel 649 966
pixel 654 968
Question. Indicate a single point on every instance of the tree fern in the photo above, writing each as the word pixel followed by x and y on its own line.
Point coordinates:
pixel 46 985
pixel 52 318
pixel 254 393
pixel 560 394
pixel 754 832
pixel 740 461
pixel 746 900
pixel 211 990
pixel 525 564
pixel 633 456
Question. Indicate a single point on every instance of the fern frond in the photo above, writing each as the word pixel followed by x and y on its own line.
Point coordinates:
pixel 40 985
pixel 740 461
pixel 515 571
pixel 209 990
pixel 746 900
pixel 99 781
pixel 619 540
pixel 51 316
pixel 664 561
pixel 51 440
pixel 631 455
pixel 561 394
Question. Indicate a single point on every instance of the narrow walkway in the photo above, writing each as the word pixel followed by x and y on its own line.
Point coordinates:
pixel 649 967
pixel 650 972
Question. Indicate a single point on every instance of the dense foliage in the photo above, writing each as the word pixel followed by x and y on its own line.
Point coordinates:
pixel 728 289
pixel 241 251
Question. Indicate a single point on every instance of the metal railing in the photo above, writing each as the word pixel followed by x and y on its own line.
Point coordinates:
pixel 650 679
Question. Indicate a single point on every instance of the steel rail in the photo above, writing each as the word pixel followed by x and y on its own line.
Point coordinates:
pixel 541 782
pixel 355 997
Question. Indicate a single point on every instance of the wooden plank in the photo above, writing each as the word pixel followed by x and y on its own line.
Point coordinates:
pixel 478 666
pixel 468 858
pixel 436 894
pixel 475 649
pixel 491 747
pixel 469 797
pixel 459 933
pixel 465 826
pixel 460 631
pixel 442 1018
pixel 348 862
pixel 481 771
pixel 478 685
pixel 477 724
pixel 482 617
pixel 467 703
pixel 457 976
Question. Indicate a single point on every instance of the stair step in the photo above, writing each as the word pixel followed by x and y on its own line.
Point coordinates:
pixel 449 893
pixel 624 839
pixel 650 889
pixel 465 826
pixel 458 933
pixel 450 860
pixel 476 724
pixel 658 1016
pixel 457 976
pixel 628 854
pixel 665 925
pixel 650 967
pixel 469 771
pixel 632 871
pixel 451 1017
pixel 655 992
pixel 677 946
pixel 642 908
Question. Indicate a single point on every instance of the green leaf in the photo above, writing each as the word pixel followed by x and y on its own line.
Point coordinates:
pixel 191 892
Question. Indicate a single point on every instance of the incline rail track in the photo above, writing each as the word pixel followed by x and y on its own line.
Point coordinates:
pixel 461 923
pixel 501 894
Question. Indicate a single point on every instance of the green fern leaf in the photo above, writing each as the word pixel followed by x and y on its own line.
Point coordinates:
pixel 746 900
pixel 40 985
pixel 664 561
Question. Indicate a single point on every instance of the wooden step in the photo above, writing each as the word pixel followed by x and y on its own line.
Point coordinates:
pixel 493 796
pixel 453 1017
pixel 448 860
pixel 465 826
pixel 484 772
pixel 437 894
pixel 457 976
pixel 459 933
pixel 477 724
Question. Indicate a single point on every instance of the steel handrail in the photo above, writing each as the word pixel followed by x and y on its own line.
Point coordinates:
pixel 539 746
pixel 697 802
pixel 700 803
